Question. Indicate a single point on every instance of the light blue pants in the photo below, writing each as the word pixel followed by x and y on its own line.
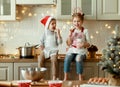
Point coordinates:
pixel 79 62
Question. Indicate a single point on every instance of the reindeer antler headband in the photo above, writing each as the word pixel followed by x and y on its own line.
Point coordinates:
pixel 78 10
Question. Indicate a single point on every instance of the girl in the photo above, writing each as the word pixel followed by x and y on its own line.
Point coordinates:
pixel 77 41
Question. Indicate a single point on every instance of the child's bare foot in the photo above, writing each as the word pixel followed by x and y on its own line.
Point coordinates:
pixel 80 78
pixel 54 78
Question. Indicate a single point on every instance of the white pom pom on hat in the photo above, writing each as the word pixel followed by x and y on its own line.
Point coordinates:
pixel 46 20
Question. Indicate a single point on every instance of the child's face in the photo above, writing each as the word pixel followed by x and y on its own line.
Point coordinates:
pixel 52 25
pixel 77 22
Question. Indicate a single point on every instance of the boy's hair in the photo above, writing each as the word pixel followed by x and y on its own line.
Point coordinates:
pixel 79 15
pixel 53 19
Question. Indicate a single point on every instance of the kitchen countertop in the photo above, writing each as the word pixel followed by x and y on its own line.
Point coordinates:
pixel 35 60
pixel 60 58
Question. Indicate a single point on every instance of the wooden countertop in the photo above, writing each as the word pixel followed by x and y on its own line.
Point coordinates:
pixel 25 60
pixel 35 60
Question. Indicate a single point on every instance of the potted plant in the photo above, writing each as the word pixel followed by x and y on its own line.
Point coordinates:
pixel 92 51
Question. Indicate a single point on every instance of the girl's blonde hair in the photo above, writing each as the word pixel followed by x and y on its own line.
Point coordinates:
pixel 79 15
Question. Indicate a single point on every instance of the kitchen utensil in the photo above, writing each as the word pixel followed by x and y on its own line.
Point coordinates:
pixel 55 83
pixel 33 73
pixel 24 83
pixel 27 51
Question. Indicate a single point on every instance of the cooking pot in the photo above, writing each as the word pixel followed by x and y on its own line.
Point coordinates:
pixel 27 51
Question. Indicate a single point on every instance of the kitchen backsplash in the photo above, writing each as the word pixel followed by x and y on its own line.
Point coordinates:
pixel 29 29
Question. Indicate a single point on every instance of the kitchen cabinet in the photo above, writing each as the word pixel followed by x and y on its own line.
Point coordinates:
pixel 18 66
pixel 65 8
pixel 6 71
pixel 93 9
pixel 11 70
pixel 32 2
pixel 7 10
pixel 90 67
pixel 108 9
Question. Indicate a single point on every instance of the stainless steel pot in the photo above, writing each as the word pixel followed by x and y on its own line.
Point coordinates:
pixel 26 51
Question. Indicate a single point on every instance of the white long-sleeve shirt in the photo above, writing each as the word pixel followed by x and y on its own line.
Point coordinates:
pixel 50 41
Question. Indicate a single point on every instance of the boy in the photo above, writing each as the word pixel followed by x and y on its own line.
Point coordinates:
pixel 49 42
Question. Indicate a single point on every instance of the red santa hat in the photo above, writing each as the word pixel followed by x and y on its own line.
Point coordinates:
pixel 46 20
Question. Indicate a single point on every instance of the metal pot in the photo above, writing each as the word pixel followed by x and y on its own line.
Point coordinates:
pixel 26 51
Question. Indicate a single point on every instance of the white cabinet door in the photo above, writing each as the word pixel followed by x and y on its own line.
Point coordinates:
pixel 35 2
pixel 7 10
pixel 65 8
pixel 88 8
pixel 108 9
pixel 6 71
pixel 17 68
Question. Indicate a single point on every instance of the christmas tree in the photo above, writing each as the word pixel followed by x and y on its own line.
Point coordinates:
pixel 110 60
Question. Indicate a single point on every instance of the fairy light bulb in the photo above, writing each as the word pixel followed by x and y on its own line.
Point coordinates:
pixel 23 11
pixel 64 27
pixel 113 32
pixel 91 37
pixel 30 14
pixel 109 27
pixel 35 14
pixel 109 58
pixel 68 22
pixel 114 65
pixel 47 12
pixel 118 52
pixel 42 14
pixel 106 25
pixel 97 32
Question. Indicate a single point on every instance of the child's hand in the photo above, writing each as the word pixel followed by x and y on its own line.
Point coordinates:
pixel 70 32
pixel 80 45
pixel 41 47
pixel 57 31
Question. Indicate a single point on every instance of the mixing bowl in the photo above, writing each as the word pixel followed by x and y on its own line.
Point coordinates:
pixel 33 73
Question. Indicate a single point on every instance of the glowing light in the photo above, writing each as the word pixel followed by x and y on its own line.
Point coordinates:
pixel 113 32
pixel 109 27
pixel 42 14
pixel 68 22
pixel 119 52
pixel 114 65
pixel 106 25
pixel 29 14
pixel 1 22
pixel 97 32
pixel 35 14
pixel 64 27
pixel 47 12
pixel 91 37
pixel 23 11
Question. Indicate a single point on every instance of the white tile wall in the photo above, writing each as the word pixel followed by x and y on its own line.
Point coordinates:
pixel 17 33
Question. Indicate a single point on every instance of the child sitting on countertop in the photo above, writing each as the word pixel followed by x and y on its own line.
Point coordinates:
pixel 49 43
